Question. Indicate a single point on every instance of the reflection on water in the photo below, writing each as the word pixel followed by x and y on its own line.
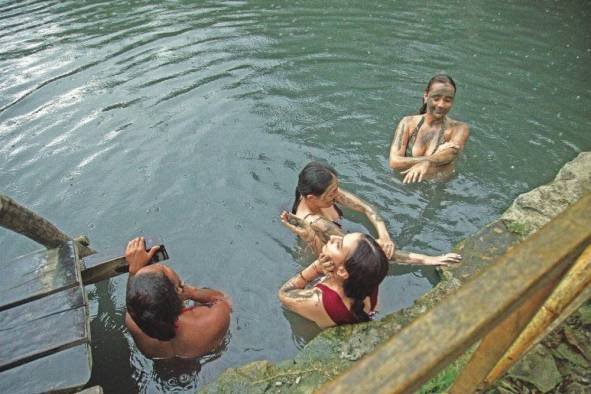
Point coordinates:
pixel 192 120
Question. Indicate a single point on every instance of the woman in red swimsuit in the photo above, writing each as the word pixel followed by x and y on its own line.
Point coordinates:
pixel 315 219
pixel 156 317
pixel 355 265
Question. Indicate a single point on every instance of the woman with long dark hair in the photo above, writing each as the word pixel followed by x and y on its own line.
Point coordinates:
pixel 348 294
pixel 428 143
pixel 353 272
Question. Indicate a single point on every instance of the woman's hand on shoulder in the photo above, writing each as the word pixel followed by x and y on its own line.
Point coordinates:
pixel 298 226
pixel 387 246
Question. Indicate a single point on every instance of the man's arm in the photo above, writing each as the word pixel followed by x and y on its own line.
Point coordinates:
pixel 203 295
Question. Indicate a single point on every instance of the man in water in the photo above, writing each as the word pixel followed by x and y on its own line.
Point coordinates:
pixel 156 316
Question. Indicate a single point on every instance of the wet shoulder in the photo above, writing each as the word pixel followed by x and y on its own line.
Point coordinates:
pixel 412 121
pixel 453 124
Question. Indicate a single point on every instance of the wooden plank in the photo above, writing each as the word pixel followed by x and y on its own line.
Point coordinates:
pixel 69 369
pixel 572 291
pixel 103 266
pixel 38 274
pixel 92 390
pixel 427 345
pixel 497 341
pixel 17 218
pixel 42 327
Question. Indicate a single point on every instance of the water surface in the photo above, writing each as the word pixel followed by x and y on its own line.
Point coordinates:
pixel 190 120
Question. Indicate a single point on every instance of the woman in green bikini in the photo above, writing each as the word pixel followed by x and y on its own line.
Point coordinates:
pixel 428 143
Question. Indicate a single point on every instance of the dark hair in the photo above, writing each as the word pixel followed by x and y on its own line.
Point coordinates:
pixel 154 305
pixel 367 267
pixel 313 179
pixel 441 78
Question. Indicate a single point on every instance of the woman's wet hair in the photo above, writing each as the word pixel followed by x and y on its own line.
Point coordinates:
pixel 314 179
pixel 154 304
pixel 439 78
pixel 367 267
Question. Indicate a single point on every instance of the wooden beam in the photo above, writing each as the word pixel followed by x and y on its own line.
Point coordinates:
pixel 574 284
pixel 17 218
pixel 99 267
pixel 105 270
pixel 427 345
pixel 498 340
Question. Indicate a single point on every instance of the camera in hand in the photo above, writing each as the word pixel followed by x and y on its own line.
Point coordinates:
pixel 162 254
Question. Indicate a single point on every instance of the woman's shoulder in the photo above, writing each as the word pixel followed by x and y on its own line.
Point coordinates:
pixel 411 121
pixel 456 124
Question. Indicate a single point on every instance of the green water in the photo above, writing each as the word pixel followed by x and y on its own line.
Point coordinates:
pixel 191 120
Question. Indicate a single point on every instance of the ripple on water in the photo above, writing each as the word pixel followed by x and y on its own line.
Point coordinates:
pixel 191 121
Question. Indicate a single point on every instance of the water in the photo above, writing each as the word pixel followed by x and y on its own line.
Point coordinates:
pixel 191 121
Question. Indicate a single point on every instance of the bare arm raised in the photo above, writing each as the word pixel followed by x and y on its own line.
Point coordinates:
pixel 355 203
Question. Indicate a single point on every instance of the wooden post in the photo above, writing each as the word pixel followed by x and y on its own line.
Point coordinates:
pixel 497 341
pixel 566 296
pixel 15 217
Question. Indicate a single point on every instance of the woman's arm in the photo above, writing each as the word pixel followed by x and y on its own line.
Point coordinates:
pixel 305 302
pixel 307 232
pixel 355 203
pixel 445 154
pixel 402 257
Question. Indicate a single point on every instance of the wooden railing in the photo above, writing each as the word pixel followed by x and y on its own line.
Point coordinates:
pixel 508 308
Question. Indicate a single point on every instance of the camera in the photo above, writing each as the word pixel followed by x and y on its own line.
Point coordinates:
pixel 162 254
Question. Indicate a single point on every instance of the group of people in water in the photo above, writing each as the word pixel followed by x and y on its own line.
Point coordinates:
pixel 349 266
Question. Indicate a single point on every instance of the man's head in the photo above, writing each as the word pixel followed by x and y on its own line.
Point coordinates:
pixel 153 300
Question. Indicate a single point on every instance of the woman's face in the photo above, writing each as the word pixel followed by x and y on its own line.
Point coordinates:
pixel 338 248
pixel 439 99
pixel 327 199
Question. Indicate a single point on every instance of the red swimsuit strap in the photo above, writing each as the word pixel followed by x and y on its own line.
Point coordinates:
pixel 336 308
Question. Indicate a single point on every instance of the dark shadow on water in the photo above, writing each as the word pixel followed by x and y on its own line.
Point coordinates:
pixel 302 330
pixel 110 349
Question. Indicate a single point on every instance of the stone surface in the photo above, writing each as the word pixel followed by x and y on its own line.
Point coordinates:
pixel 538 368
pixel 532 210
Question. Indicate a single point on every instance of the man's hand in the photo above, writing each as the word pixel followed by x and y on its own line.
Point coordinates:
pixel 416 173
pixel 136 255
pixel 387 246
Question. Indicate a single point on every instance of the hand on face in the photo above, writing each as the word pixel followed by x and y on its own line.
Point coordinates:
pixel 416 173
pixel 325 264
